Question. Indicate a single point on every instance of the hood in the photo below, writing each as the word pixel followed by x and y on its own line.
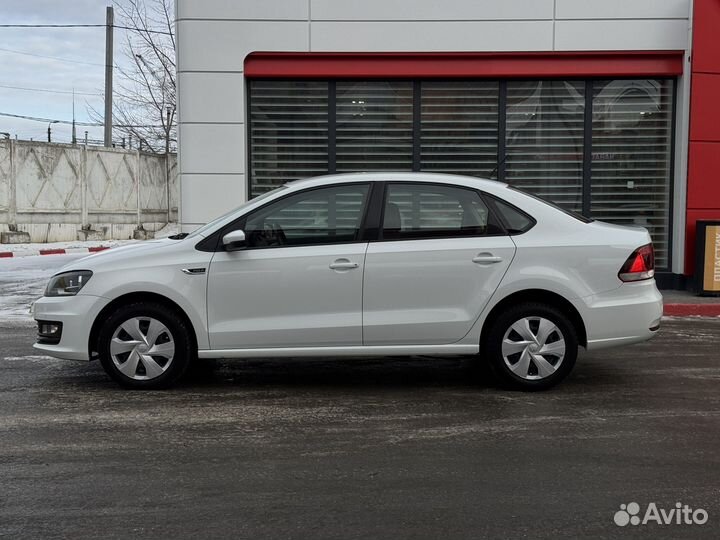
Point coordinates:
pixel 120 256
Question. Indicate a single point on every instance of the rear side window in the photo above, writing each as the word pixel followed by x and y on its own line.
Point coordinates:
pixel 570 213
pixel 416 211
pixel 516 221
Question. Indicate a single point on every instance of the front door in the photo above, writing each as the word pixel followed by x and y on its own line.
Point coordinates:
pixel 439 259
pixel 299 281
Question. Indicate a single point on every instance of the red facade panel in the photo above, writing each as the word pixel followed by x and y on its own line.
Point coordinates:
pixel 706 49
pixel 462 65
pixel 705 113
pixel 704 176
pixel 703 200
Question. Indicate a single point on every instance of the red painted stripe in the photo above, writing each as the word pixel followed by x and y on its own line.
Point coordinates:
pixel 98 248
pixel 56 251
pixel 6 254
pixel 464 64
pixel 688 310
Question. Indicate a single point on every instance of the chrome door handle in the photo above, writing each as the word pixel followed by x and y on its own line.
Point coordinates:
pixel 343 264
pixel 486 258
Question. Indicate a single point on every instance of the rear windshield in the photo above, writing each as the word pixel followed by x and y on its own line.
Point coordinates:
pixel 570 213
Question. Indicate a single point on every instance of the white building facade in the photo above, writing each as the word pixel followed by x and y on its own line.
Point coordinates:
pixel 583 102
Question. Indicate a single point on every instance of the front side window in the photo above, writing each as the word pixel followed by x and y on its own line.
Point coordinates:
pixel 414 211
pixel 320 216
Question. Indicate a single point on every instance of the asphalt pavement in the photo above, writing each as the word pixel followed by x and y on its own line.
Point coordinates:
pixel 382 448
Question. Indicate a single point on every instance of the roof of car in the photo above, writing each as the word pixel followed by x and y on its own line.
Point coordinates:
pixel 398 177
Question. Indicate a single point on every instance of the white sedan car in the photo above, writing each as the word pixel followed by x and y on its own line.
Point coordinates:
pixel 374 264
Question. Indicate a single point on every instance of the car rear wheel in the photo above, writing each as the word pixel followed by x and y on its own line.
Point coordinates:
pixel 531 346
pixel 145 346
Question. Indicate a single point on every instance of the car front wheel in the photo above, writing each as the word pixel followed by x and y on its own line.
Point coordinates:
pixel 145 346
pixel 531 346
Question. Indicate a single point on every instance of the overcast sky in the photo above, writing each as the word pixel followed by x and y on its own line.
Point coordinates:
pixel 84 48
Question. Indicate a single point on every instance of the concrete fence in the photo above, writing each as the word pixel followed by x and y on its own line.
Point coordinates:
pixel 59 192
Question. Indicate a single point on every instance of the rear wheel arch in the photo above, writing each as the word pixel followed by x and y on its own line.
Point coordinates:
pixel 132 298
pixel 539 296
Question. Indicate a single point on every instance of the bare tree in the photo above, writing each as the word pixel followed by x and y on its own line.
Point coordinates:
pixel 144 104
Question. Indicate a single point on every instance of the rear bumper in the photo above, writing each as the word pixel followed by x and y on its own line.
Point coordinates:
pixel 629 314
pixel 76 313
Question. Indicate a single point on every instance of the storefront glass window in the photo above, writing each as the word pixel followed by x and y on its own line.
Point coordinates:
pixel 612 162
pixel 631 155
pixel 544 139
pixel 459 127
pixel 289 132
pixel 374 126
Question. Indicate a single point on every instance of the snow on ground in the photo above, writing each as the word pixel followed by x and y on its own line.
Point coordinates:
pixel 21 249
pixel 168 230
pixel 23 280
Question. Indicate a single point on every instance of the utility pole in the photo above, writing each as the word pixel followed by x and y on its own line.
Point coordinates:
pixel 74 133
pixel 109 23
pixel 167 161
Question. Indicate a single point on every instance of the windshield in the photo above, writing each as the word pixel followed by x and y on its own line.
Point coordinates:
pixel 205 229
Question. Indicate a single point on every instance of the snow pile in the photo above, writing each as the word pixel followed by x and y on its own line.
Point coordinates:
pixel 24 250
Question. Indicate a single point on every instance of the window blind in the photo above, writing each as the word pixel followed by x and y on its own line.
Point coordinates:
pixel 289 132
pixel 631 145
pixel 374 126
pixel 545 139
pixel 459 127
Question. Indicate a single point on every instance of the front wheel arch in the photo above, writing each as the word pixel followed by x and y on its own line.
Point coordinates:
pixel 132 298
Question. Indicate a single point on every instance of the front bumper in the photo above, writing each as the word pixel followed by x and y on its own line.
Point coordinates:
pixel 77 314
pixel 629 314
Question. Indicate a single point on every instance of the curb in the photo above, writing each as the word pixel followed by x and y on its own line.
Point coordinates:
pixel 692 310
pixel 54 251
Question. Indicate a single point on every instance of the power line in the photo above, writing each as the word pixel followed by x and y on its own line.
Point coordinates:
pixel 77 93
pixel 69 122
pixel 133 28
pixel 51 57
pixel 51 25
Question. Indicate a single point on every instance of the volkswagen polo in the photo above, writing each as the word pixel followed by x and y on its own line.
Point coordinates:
pixel 372 264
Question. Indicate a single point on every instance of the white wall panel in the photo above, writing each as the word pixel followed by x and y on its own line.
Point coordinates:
pixel 206 197
pixel 223 45
pixel 621 35
pixel 622 9
pixel 462 10
pixel 432 36
pixel 243 9
pixel 212 97
pixel 212 148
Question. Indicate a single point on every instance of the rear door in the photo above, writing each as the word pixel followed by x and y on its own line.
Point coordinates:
pixel 440 256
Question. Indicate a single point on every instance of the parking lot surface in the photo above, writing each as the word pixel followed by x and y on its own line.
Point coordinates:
pixel 381 448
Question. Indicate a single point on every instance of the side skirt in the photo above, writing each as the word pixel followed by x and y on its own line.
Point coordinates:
pixel 375 350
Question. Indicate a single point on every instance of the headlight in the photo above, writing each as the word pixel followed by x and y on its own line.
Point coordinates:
pixel 68 283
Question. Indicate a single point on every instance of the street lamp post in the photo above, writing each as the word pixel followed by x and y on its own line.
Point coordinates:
pixel 49 130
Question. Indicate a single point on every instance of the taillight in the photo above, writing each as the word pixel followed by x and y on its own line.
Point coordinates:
pixel 640 265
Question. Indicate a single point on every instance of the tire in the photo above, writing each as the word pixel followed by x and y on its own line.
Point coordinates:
pixel 132 333
pixel 515 340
